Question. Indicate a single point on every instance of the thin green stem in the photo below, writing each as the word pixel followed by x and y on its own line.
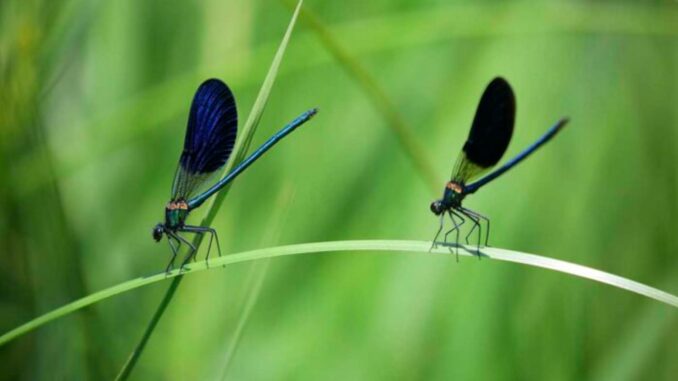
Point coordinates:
pixel 134 356
pixel 420 247
pixel 240 151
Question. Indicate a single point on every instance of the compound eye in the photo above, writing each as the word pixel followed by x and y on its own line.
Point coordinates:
pixel 157 233
pixel 436 207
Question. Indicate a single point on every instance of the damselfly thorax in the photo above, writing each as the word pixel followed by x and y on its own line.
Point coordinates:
pixel 176 213
pixel 452 197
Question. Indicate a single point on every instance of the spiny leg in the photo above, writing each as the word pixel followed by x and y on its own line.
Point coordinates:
pixel 209 249
pixel 480 233
pixel 433 244
pixel 190 254
pixel 213 236
pixel 487 222
pixel 457 227
pixel 198 232
pixel 175 249
pixel 456 230
pixel 216 238
pixel 476 224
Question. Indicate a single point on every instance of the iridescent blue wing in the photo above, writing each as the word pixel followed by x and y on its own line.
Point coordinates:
pixel 210 136
pixel 490 133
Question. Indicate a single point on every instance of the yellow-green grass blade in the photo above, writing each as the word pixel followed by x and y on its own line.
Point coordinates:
pixel 240 151
pixel 419 247
pixel 254 117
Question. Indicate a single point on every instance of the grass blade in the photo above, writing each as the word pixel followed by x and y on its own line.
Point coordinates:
pixel 421 247
pixel 255 115
pixel 134 356
pixel 239 154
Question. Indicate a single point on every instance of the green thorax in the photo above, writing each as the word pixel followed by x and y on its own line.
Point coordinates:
pixel 175 214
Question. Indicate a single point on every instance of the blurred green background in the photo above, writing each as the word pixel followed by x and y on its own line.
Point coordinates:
pixel 94 97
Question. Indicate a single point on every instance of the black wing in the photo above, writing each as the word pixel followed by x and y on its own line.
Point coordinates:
pixel 490 133
pixel 210 136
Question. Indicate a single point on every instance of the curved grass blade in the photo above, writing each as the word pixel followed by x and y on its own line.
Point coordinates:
pixel 239 154
pixel 420 247
pixel 242 145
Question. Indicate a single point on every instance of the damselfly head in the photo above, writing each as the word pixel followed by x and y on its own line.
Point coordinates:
pixel 158 231
pixel 437 207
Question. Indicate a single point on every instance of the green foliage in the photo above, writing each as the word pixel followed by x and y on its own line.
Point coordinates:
pixel 94 99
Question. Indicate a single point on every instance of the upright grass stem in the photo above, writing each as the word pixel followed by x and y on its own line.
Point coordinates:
pixel 240 151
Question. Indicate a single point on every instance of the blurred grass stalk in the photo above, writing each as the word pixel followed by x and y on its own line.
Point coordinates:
pixel 40 245
pixel 257 275
pixel 240 151
pixel 406 138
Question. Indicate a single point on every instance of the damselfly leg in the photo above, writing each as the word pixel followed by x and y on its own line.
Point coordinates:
pixel 201 230
pixel 434 243
pixel 456 229
pixel 483 218
pixel 175 249
pixel 476 224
